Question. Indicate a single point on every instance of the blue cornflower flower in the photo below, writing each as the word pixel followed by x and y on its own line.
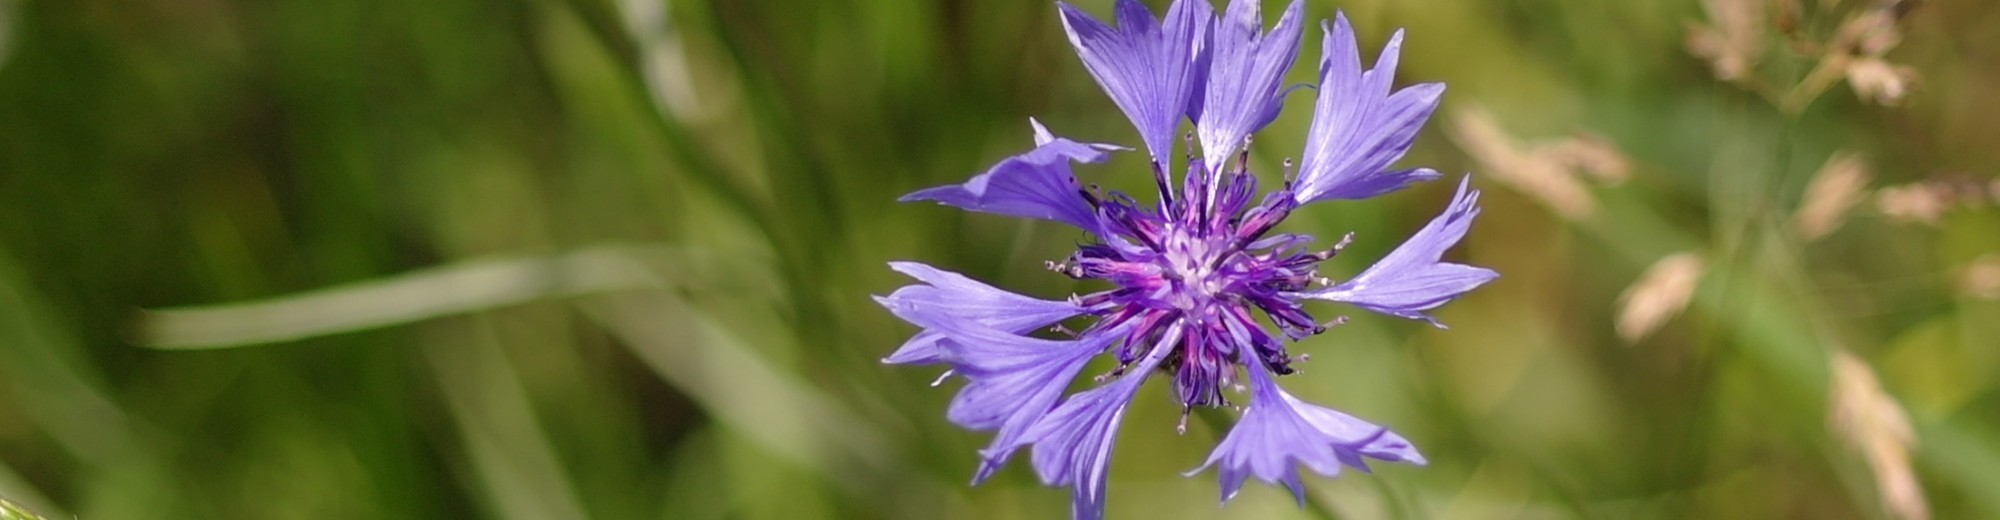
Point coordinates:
pixel 1188 272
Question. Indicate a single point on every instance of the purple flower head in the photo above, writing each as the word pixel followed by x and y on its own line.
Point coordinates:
pixel 1188 275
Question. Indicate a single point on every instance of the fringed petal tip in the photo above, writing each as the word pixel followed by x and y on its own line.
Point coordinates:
pixel 991 461
pixel 1073 443
pixel 1078 151
pixel 1148 67
pixel 945 296
pixel 1359 126
pixel 1037 184
pixel 1241 90
pixel 1411 279
pixel 921 349
pixel 1279 433
pixel 1013 383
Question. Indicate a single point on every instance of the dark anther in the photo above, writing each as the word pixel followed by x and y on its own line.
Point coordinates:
pixel 1089 197
pixel 1243 157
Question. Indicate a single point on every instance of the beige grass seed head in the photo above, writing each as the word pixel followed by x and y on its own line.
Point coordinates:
pixel 1550 171
pixel 1920 202
pixel 1981 279
pixel 1875 427
pixel 1836 188
pixel 1733 40
pixel 1879 81
pixel 1659 294
pixel 1592 155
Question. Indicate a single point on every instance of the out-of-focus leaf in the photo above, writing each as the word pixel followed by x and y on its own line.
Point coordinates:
pixel 12 511
pixel 511 456
pixel 452 289
pixel 729 380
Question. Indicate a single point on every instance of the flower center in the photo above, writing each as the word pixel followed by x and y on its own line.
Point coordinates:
pixel 1191 262
pixel 1202 261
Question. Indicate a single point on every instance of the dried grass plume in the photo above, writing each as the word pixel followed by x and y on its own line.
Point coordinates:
pixel 1877 80
pixel 1551 171
pixel 1928 201
pixel 1838 186
pixel 1981 279
pixel 1876 428
pixel 1734 44
pixel 1659 295
pixel 1920 202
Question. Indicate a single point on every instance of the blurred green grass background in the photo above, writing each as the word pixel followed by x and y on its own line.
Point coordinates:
pixel 545 259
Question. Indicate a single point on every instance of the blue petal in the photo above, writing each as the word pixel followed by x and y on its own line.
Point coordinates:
pixel 1013 380
pixel 1148 67
pixel 1278 433
pixel 1037 184
pixel 1245 71
pixel 921 349
pixel 1072 444
pixel 956 295
pixel 1359 127
pixel 1077 151
pixel 1352 436
pixel 1411 279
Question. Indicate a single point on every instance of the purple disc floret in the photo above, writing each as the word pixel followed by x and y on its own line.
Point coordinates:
pixel 1189 274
